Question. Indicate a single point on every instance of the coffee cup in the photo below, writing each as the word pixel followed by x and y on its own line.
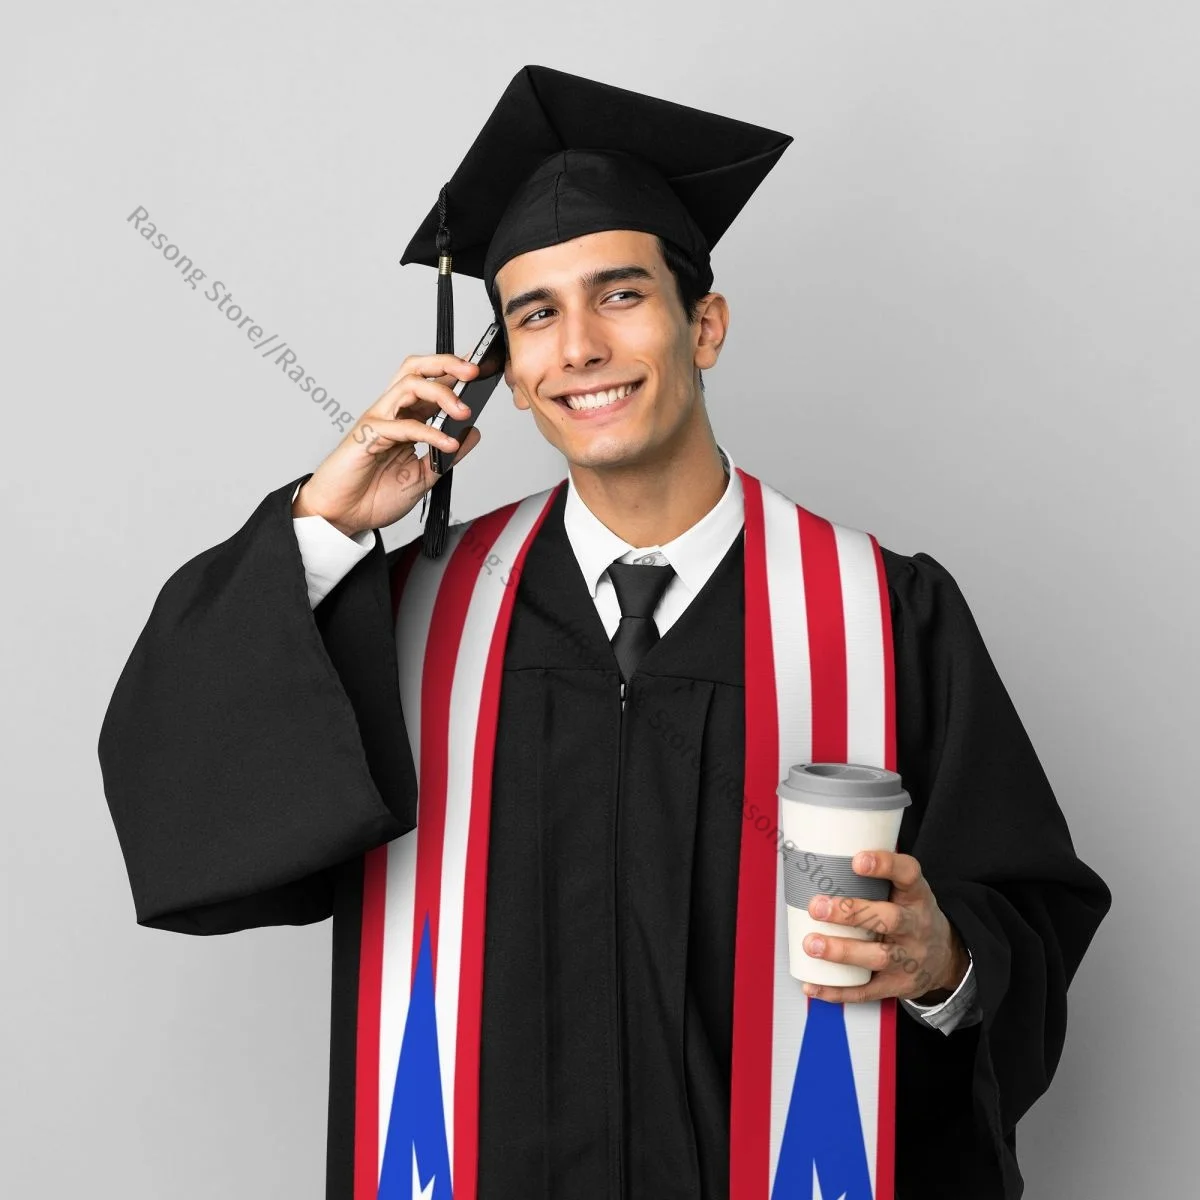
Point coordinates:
pixel 829 813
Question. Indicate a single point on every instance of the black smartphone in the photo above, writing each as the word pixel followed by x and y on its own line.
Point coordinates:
pixel 474 393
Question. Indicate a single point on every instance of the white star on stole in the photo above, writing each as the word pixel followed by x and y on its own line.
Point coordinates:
pixel 816 1192
pixel 419 1192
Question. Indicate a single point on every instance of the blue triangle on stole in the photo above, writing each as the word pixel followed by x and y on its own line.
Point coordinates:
pixel 823 1137
pixel 416 1154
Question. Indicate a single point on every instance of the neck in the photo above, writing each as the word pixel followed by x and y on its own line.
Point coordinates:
pixel 652 501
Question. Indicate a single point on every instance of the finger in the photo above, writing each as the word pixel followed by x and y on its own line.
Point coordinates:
pixel 410 472
pixel 877 916
pixel 902 869
pixel 881 987
pixel 382 433
pixel 460 454
pixel 901 975
pixel 414 395
pixel 435 365
pixel 875 956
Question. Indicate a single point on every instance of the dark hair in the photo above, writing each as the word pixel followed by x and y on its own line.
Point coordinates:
pixel 688 286
pixel 687 279
pixel 687 283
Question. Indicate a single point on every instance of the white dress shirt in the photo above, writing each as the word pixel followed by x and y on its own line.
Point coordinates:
pixel 329 555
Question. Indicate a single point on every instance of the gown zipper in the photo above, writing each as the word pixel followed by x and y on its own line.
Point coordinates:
pixel 617 954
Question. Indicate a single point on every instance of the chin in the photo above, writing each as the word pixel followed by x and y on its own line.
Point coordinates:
pixel 602 450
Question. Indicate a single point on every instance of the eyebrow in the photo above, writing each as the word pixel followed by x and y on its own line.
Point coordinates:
pixel 589 282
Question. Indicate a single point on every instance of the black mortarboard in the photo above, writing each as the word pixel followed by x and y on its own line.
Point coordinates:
pixel 562 156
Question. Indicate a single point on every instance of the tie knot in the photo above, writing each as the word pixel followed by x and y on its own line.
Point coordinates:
pixel 639 587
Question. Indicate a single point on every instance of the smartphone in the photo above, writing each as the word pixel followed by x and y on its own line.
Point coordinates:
pixel 474 393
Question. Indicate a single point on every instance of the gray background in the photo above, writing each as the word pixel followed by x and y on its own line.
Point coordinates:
pixel 963 313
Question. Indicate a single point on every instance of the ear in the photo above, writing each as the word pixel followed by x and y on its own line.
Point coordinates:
pixel 713 326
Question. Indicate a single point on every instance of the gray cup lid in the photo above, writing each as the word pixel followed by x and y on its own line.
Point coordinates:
pixel 844 785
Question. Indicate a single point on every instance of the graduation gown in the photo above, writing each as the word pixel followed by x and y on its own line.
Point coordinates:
pixel 255 749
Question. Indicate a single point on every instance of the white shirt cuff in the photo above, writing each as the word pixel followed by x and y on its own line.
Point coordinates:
pixel 959 1010
pixel 327 553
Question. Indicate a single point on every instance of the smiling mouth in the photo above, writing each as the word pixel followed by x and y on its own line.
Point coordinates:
pixel 598 401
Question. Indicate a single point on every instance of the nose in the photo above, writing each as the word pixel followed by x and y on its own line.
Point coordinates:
pixel 582 344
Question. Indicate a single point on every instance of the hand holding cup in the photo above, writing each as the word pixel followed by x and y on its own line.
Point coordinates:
pixel 863 923
pixel 918 956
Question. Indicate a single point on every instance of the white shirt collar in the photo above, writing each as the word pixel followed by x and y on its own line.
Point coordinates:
pixel 694 554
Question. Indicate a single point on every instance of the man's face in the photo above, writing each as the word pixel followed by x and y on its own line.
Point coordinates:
pixel 569 333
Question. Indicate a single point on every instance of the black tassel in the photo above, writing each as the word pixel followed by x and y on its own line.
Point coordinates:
pixel 433 540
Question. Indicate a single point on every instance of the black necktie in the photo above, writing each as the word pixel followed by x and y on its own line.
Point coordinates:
pixel 639 589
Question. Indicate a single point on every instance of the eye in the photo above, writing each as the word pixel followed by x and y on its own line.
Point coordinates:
pixel 611 296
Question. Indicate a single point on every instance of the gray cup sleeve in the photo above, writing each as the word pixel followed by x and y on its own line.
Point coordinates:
pixel 807 874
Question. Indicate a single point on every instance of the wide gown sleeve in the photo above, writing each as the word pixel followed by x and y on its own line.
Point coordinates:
pixel 995 848
pixel 253 745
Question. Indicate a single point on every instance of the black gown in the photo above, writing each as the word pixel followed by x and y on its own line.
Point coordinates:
pixel 254 749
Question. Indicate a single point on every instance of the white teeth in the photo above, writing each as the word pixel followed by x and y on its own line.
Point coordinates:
pixel 600 399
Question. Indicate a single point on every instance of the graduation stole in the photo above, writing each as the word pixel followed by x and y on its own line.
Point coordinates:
pixel 812 1112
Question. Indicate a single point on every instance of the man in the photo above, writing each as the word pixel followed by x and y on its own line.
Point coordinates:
pixel 583 961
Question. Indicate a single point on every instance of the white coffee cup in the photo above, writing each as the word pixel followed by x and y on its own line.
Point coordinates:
pixel 829 813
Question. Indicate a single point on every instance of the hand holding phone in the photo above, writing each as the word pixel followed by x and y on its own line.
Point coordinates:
pixel 474 393
pixel 374 476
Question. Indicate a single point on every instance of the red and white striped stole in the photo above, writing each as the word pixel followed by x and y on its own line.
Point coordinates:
pixel 819 688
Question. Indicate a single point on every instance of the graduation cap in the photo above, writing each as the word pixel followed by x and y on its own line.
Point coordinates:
pixel 562 156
